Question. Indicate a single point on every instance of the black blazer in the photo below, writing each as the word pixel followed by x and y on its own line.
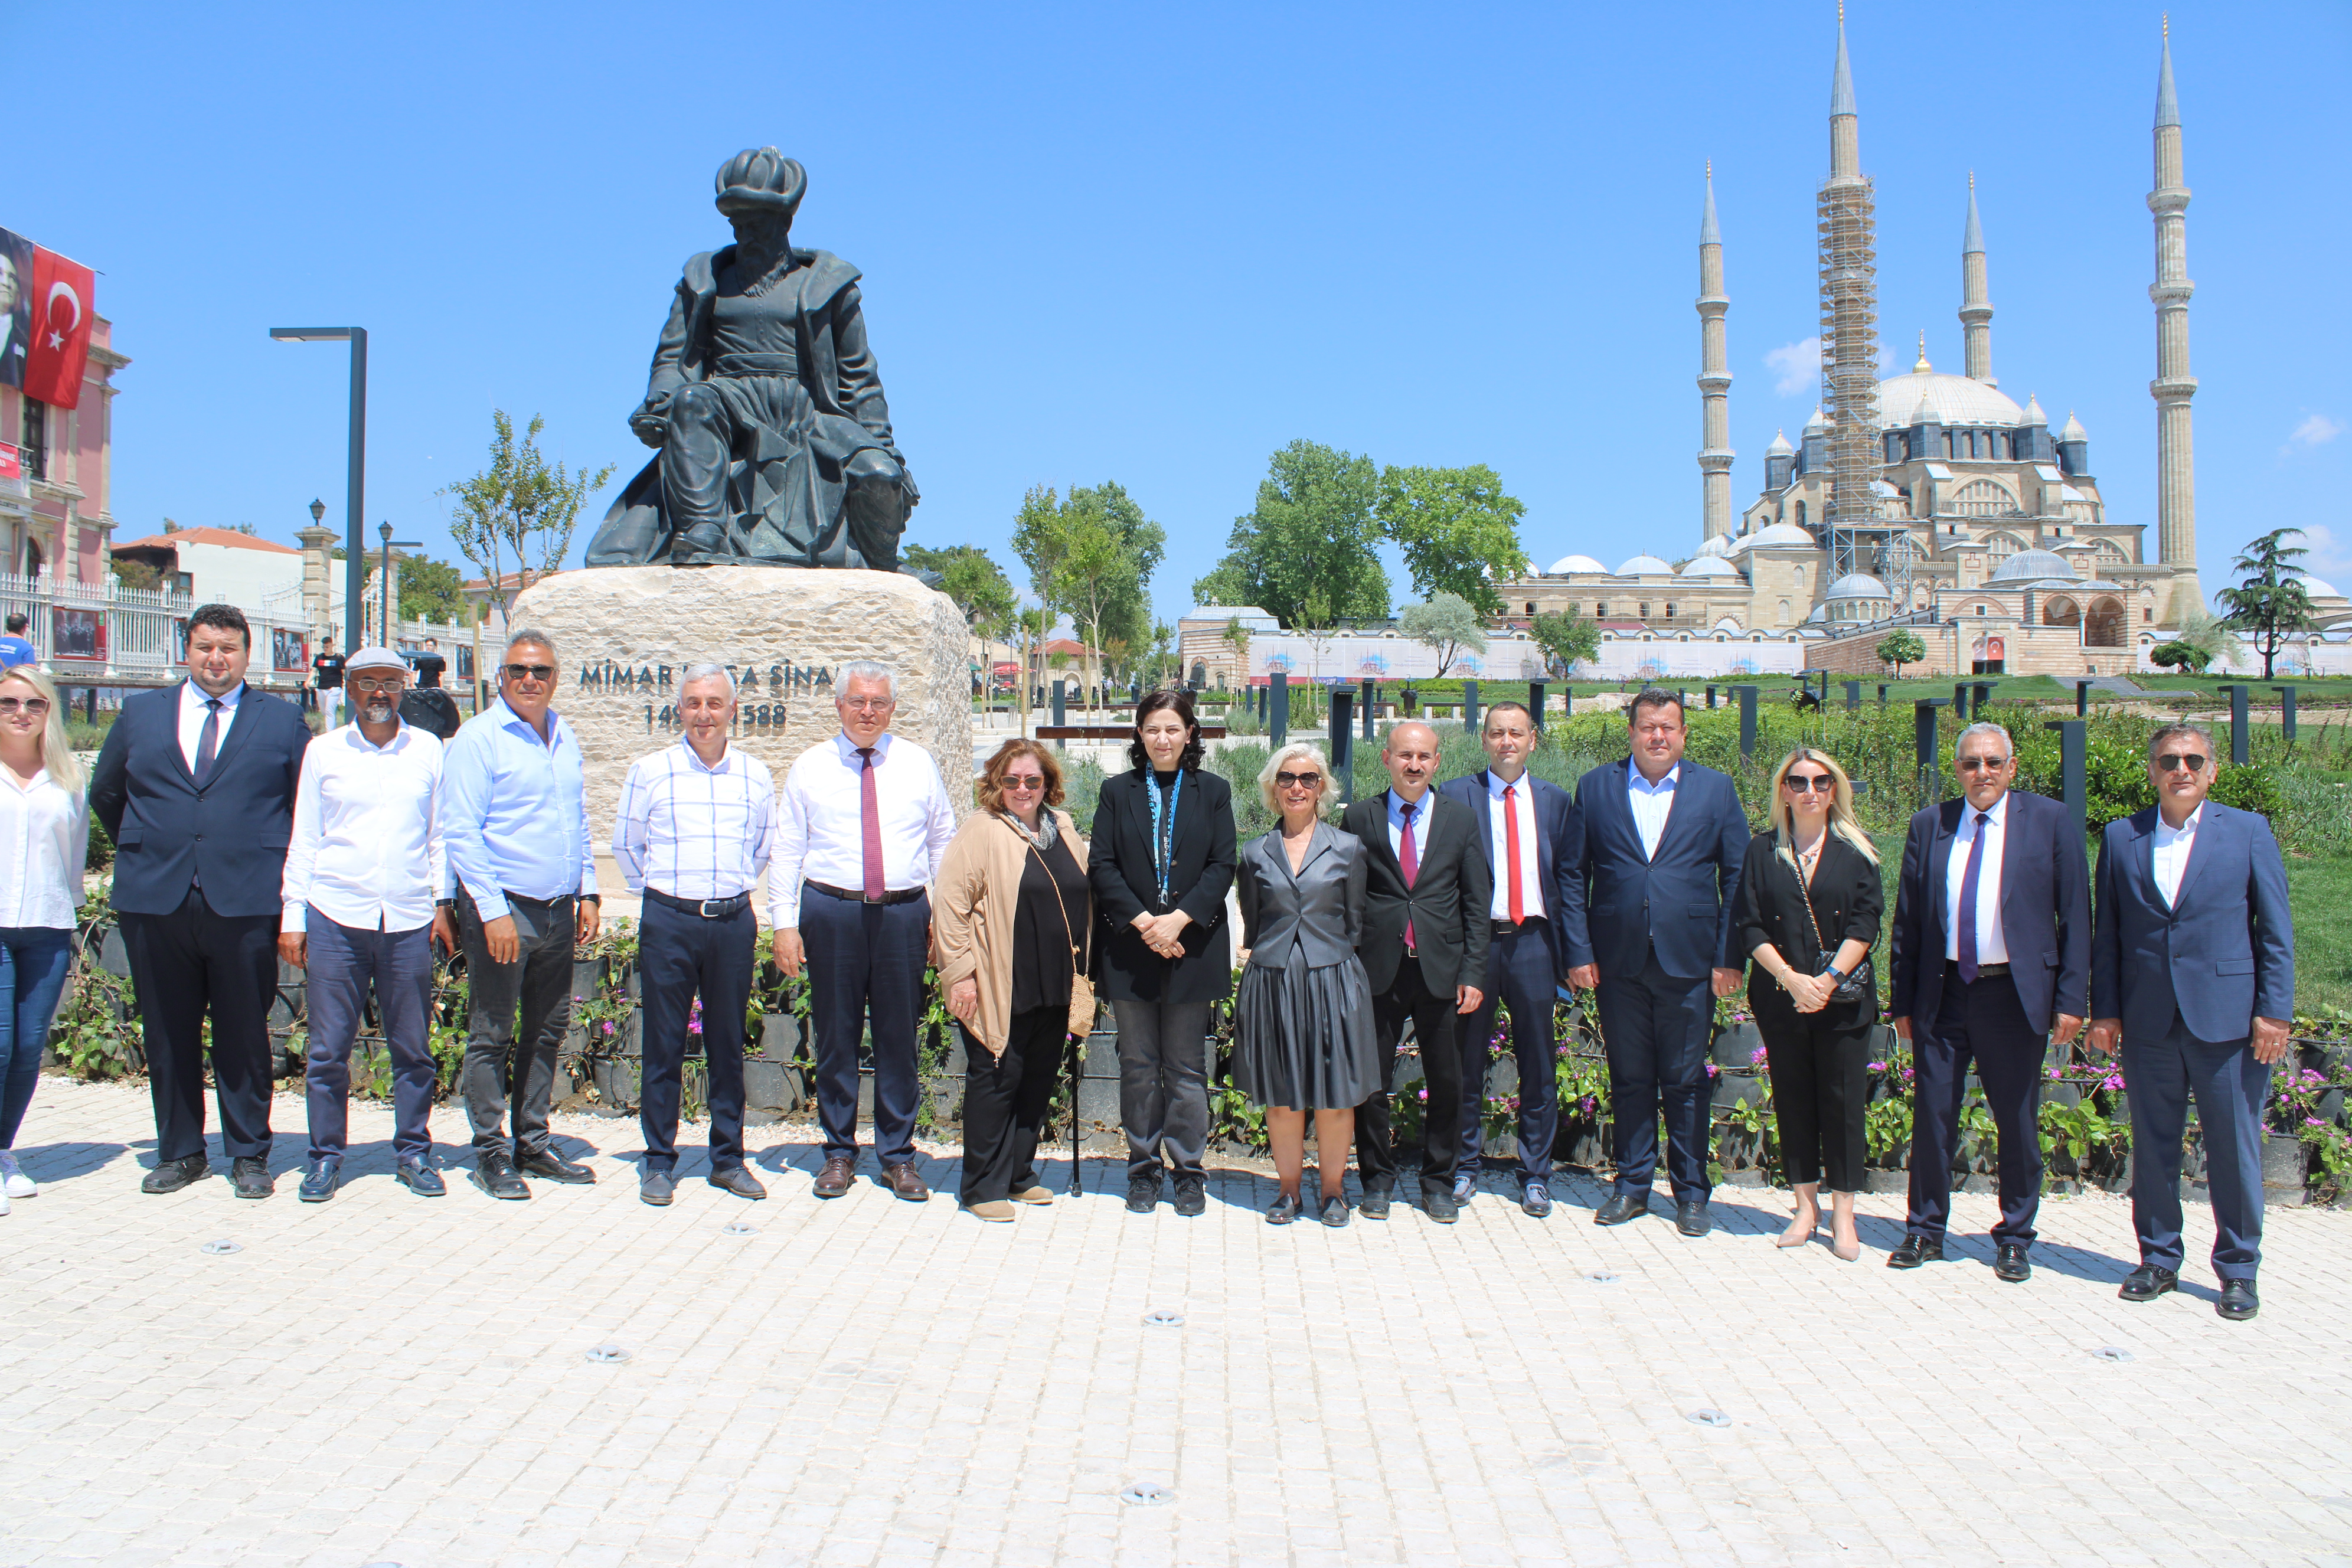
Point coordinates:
pixel 1119 863
pixel 1622 904
pixel 1849 902
pixel 2045 911
pixel 167 832
pixel 1559 846
pixel 1447 905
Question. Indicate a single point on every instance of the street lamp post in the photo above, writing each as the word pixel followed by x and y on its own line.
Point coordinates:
pixel 384 571
pixel 355 540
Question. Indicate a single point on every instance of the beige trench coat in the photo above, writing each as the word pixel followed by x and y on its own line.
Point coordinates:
pixel 975 899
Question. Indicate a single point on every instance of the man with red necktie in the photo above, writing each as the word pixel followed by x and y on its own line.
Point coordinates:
pixel 861 823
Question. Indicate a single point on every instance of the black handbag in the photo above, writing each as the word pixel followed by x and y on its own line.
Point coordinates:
pixel 1861 983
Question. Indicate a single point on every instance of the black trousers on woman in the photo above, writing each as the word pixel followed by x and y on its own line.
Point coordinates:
pixel 1820 1083
pixel 1004 1101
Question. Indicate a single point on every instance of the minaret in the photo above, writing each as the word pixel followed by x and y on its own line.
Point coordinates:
pixel 1846 209
pixel 1714 377
pixel 1976 311
pixel 2176 465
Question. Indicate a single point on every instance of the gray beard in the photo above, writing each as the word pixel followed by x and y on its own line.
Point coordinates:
pixel 377 715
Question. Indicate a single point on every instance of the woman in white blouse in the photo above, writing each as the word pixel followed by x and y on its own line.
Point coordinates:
pixel 44 840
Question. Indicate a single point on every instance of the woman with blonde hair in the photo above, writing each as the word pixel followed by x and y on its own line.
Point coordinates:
pixel 1811 903
pixel 1303 1035
pixel 44 826
pixel 1011 918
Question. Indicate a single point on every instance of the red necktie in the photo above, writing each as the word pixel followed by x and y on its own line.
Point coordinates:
pixel 870 811
pixel 1412 866
pixel 1511 847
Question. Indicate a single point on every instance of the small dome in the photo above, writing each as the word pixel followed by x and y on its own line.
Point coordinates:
pixel 2073 430
pixel 2314 588
pixel 1719 545
pixel 1821 613
pixel 2032 566
pixel 1820 421
pixel 1710 566
pixel 2033 415
pixel 1645 566
pixel 1777 534
pixel 1884 490
pixel 1857 585
pixel 1779 446
pixel 1568 564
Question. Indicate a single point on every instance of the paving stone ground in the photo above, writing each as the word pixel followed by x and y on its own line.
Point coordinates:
pixel 385 1379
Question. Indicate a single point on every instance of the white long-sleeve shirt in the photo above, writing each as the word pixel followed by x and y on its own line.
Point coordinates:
pixel 366 847
pixel 44 844
pixel 820 822
pixel 695 831
pixel 1992 946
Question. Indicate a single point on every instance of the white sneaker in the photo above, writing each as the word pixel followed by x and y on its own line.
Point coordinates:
pixel 4 1203
pixel 14 1182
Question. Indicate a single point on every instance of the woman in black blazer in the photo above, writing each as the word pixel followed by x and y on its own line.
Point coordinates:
pixel 1810 888
pixel 1162 861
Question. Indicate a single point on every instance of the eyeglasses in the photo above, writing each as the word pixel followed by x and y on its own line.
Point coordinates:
pixel 2171 762
pixel 1297 781
pixel 1024 781
pixel 530 672
pixel 392 683
pixel 1824 782
pixel 36 706
pixel 867 704
pixel 1988 765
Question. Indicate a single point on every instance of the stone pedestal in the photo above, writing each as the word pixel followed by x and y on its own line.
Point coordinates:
pixel 625 635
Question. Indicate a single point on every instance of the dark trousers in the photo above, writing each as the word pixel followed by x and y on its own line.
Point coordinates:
pixel 186 964
pixel 2231 1088
pixel 680 956
pixel 1821 1085
pixel 344 962
pixel 1004 1101
pixel 1655 1026
pixel 1983 1023
pixel 1163 1086
pixel 1521 975
pixel 1434 1029
pixel 511 1065
pixel 33 965
pixel 866 964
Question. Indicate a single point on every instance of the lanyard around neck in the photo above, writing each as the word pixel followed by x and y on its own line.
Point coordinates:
pixel 1163 842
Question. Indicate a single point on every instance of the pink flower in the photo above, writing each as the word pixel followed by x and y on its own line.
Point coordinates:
pixel 1756 1057
pixel 1879 1067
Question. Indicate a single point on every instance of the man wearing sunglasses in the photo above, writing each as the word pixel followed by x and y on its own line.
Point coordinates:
pixel 1991 945
pixel 514 820
pixel 2192 970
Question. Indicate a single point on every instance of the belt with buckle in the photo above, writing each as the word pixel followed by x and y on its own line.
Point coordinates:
pixel 1504 928
pixel 901 896
pixel 708 908
pixel 1984 971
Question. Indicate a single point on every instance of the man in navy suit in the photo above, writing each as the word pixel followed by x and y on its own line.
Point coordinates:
pixel 1991 942
pixel 2193 965
pixel 1528 834
pixel 195 786
pixel 1649 924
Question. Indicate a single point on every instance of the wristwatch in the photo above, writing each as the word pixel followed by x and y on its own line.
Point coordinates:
pixel 597 899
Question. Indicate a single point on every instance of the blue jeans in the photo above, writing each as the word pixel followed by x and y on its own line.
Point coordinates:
pixel 33 963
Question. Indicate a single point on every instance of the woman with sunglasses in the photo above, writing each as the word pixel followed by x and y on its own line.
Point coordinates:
pixel 1303 1035
pixel 1810 904
pixel 1010 927
pixel 45 827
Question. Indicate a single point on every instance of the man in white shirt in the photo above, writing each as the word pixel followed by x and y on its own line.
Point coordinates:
pixel 693 833
pixel 860 827
pixel 363 871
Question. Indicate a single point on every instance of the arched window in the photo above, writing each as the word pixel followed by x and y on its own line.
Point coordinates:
pixel 1784 612
pixel 2004 545
pixel 1983 497
pixel 2102 626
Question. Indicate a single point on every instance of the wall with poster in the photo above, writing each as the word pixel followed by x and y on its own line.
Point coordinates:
pixel 288 651
pixel 77 634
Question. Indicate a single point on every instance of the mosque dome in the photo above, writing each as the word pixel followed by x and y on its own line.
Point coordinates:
pixel 2315 589
pixel 2073 430
pixel 1779 446
pixel 1705 565
pixel 2032 566
pixel 2033 415
pixel 1568 564
pixel 1645 566
pixel 1820 421
pixel 1956 400
pixel 1857 585
pixel 1719 544
pixel 1779 533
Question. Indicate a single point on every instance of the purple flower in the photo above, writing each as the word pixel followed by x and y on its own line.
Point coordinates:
pixel 2112 1080
pixel 2313 1121
pixel 1756 1057
pixel 1879 1067
pixel 1713 1071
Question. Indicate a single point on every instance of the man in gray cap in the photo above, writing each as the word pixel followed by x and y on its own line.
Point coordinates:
pixel 362 871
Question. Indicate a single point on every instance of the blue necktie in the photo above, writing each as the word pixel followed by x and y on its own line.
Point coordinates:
pixel 1968 903
pixel 208 742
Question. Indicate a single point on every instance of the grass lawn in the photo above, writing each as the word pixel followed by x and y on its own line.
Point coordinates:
pixel 2319 890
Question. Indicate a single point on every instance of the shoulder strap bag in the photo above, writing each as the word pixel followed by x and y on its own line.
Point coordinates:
pixel 1852 987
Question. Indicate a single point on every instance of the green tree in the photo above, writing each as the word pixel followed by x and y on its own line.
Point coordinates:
pixel 1458 531
pixel 518 507
pixel 2185 657
pixel 432 590
pixel 1567 639
pixel 1899 648
pixel 2270 602
pixel 1448 623
pixel 977 584
pixel 1315 526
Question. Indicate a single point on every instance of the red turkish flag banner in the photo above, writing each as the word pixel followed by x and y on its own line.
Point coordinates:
pixel 12 463
pixel 62 305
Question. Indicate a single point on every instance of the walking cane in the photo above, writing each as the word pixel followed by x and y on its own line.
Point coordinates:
pixel 1078 1047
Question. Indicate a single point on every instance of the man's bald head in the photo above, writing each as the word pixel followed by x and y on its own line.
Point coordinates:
pixel 1409 754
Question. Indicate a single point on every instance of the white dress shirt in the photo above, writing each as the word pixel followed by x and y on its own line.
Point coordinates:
pixel 1499 849
pixel 1652 804
pixel 44 844
pixel 820 822
pixel 693 830
pixel 1991 947
pixel 366 847
pixel 2173 845
pixel 192 720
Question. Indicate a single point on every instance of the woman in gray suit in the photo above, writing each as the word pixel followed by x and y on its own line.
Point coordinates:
pixel 1303 1038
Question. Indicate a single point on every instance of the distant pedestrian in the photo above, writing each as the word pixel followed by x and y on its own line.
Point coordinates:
pixel 45 818
pixel 327 682
pixel 16 648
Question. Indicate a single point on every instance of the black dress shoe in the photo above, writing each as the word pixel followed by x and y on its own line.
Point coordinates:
pixel 1440 1207
pixel 1915 1250
pixel 2146 1282
pixel 420 1177
pixel 2008 1264
pixel 1283 1210
pixel 1621 1207
pixel 1142 1194
pixel 2238 1302
pixel 656 1187
pixel 173 1175
pixel 1192 1196
pixel 1335 1212
pixel 548 1166
pixel 251 1175
pixel 494 1172
pixel 1690 1218
pixel 739 1180
pixel 1376 1202
pixel 320 1181
pixel 1536 1200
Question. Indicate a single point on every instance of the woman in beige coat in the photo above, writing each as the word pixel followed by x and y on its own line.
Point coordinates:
pixel 1011 915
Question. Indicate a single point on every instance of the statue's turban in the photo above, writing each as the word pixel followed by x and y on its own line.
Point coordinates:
pixel 760 179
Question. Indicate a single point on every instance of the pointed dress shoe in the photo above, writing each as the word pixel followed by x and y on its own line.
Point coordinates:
pixel 1439 1207
pixel 739 1180
pixel 420 1177
pixel 494 1172
pixel 2146 1282
pixel 1375 1204
pixel 2008 1264
pixel 173 1175
pixel 2238 1301
pixel 1283 1210
pixel 320 1181
pixel 1536 1200
pixel 1915 1249
pixel 551 1166
pixel 1621 1207
pixel 903 1183
pixel 1335 1211
pixel 832 1182
pixel 1691 1219
pixel 251 1176
pixel 656 1186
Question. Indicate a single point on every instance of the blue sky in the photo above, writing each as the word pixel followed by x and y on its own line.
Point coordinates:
pixel 1153 245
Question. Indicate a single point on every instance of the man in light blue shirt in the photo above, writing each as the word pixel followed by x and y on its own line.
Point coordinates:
pixel 523 870
pixel 16 648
